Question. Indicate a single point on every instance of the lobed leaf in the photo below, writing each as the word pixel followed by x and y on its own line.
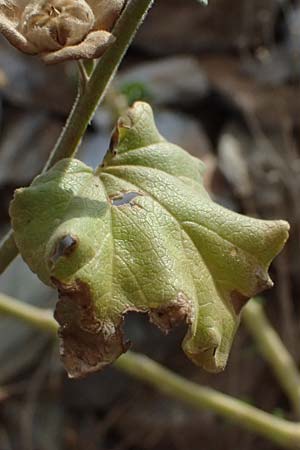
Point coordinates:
pixel 141 234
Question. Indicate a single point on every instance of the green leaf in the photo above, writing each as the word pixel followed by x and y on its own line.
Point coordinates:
pixel 141 234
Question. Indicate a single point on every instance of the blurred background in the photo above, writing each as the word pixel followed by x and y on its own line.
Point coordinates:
pixel 224 81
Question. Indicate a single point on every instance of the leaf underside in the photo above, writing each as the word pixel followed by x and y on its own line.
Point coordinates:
pixel 141 234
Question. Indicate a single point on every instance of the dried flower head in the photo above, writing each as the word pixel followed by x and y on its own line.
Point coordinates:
pixel 58 30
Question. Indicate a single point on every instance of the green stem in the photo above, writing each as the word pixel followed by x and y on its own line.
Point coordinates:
pixel 86 104
pixel 8 251
pixel 36 317
pixel 279 431
pixel 100 80
pixel 274 351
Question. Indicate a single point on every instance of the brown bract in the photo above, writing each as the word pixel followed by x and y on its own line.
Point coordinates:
pixel 59 30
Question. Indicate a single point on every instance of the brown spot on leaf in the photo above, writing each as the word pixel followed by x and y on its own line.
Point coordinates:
pixel 238 301
pixel 172 314
pixel 86 344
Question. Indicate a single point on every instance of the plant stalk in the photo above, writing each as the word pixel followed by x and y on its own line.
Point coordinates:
pixel 101 77
pixel 8 251
pixel 279 431
pixel 41 319
pixel 275 353
pixel 87 103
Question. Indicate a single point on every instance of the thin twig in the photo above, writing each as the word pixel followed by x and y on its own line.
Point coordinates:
pixel 36 317
pixel 87 103
pixel 280 431
pixel 274 351
pixel 8 251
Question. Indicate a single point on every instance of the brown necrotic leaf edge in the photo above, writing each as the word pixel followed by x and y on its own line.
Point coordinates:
pixel 86 344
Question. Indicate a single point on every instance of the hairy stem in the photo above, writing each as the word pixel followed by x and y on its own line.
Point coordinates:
pixel 87 103
pixel 279 431
pixel 274 351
